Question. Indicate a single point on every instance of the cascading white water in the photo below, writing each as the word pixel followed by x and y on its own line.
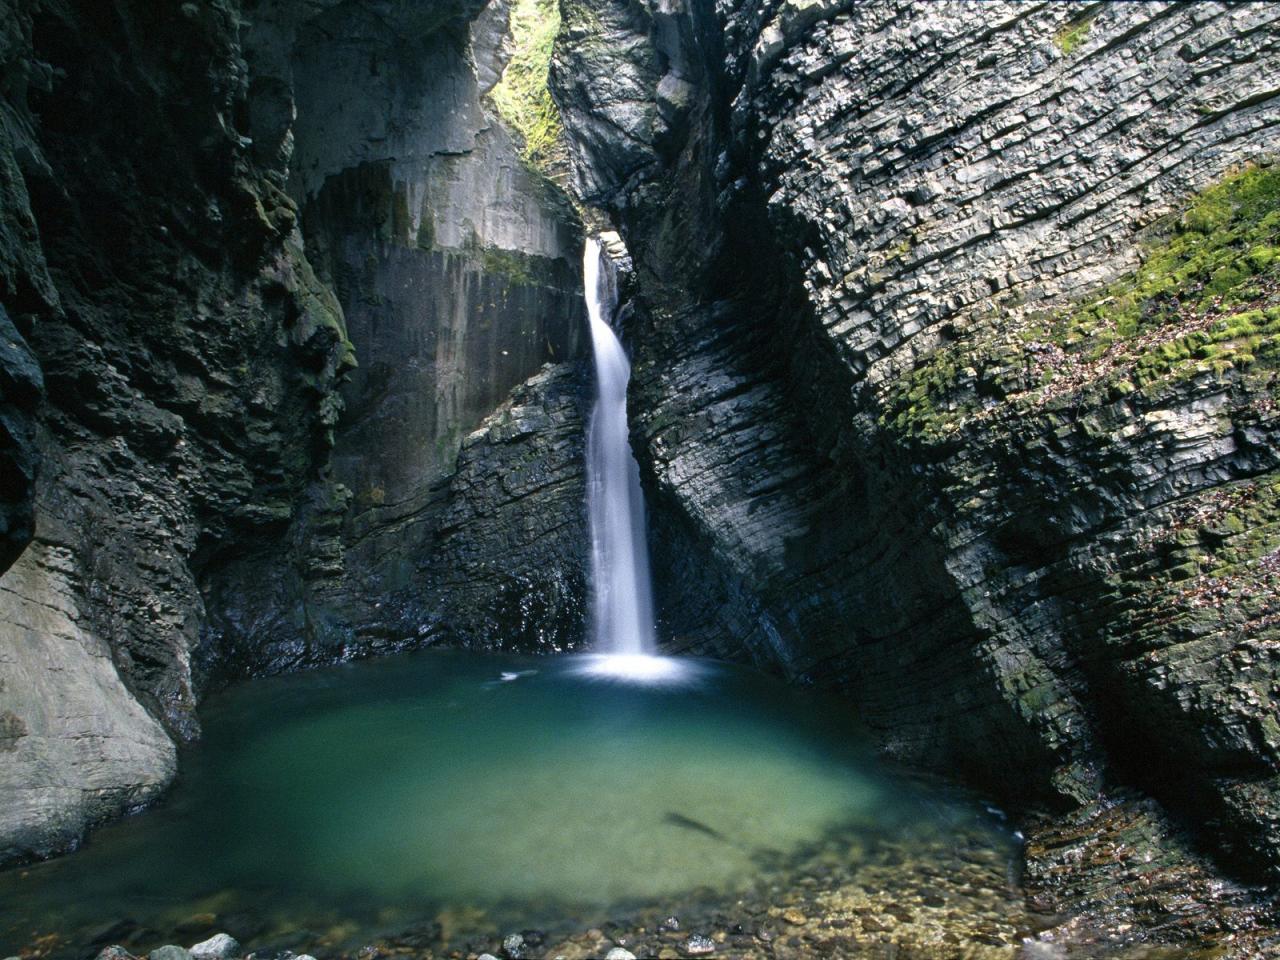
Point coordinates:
pixel 621 589
pixel 622 598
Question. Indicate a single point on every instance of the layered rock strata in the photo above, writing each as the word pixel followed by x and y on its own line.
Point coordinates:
pixel 881 453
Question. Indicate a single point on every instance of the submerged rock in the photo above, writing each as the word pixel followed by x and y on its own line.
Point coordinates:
pixel 698 945
pixel 220 946
pixel 170 952
pixel 513 946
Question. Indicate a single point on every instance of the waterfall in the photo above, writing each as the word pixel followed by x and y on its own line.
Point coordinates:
pixel 622 594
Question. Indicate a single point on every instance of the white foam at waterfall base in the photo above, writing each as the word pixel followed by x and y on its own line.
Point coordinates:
pixel 639 668
pixel 621 589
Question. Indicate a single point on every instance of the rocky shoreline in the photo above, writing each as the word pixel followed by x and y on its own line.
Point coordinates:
pixel 1115 881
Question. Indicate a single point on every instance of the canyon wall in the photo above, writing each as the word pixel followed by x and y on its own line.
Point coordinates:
pixel 223 224
pixel 291 371
pixel 907 429
pixel 457 268
pixel 185 348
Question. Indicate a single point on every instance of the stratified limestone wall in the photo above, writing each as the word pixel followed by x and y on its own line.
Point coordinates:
pixel 894 192
pixel 1004 168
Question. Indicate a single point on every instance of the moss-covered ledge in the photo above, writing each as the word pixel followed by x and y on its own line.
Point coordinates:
pixel 1205 301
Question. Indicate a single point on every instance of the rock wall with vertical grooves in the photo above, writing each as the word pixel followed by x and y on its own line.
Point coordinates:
pixel 209 210
pixel 456 265
pixel 857 228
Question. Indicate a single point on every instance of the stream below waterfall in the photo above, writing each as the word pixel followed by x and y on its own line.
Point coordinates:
pixel 455 797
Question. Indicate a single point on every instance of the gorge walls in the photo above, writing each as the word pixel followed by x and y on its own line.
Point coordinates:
pixel 455 263
pixel 899 439
pixel 210 212
pixel 954 371
pixel 185 348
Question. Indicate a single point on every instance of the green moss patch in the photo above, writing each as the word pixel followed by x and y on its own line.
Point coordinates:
pixel 1205 300
pixel 522 97
pixel 1222 253
pixel 1073 33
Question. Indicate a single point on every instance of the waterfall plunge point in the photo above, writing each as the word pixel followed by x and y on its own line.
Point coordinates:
pixel 622 629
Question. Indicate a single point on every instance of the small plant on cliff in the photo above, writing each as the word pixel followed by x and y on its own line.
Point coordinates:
pixel 1072 34
pixel 522 97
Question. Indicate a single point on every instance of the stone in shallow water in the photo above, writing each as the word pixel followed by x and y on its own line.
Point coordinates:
pixel 513 946
pixel 170 952
pixel 619 953
pixel 218 947
pixel 698 945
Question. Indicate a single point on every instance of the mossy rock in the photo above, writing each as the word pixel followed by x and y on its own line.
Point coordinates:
pixel 1205 300
pixel 522 97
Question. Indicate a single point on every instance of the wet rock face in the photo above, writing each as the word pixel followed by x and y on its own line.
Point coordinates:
pixel 204 206
pixel 186 350
pixel 21 388
pixel 825 396
pixel 518 493
pixel 456 266
pixel 1115 873
pixel 494 558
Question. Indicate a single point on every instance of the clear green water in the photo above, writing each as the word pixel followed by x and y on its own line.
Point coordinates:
pixel 379 793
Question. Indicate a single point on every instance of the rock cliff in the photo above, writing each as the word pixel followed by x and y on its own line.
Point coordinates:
pixel 456 267
pixel 210 210
pixel 954 379
pixel 955 371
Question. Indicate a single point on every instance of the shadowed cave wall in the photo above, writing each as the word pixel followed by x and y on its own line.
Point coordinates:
pixel 279 299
